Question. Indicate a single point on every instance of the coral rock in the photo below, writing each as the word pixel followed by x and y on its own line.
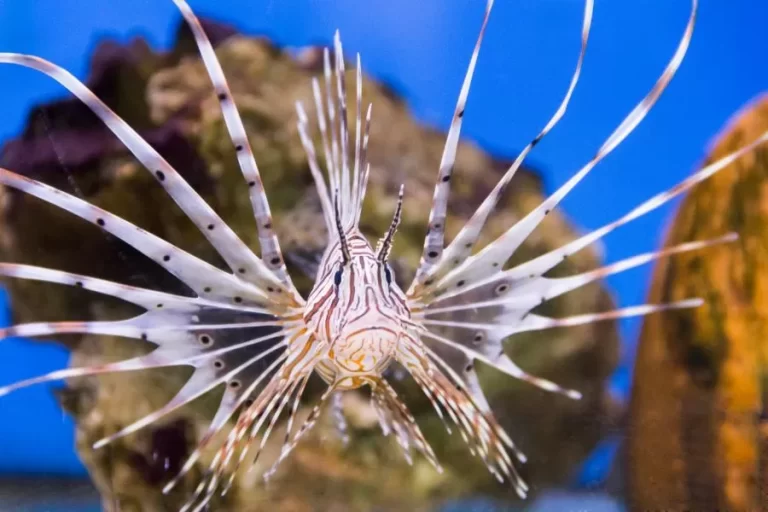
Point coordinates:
pixel 171 100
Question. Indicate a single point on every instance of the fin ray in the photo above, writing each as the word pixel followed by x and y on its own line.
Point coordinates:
pixel 194 272
pixel 433 242
pixel 495 254
pixel 232 249
pixel 461 246
pixel 270 247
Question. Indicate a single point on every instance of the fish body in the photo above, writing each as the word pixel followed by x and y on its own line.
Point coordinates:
pixel 358 311
pixel 248 329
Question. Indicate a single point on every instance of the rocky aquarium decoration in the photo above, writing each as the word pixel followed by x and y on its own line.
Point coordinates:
pixel 168 98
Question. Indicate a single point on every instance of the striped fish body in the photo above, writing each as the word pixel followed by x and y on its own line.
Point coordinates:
pixel 358 312
pixel 249 331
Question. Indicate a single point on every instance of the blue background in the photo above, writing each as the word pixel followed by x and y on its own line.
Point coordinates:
pixel 421 49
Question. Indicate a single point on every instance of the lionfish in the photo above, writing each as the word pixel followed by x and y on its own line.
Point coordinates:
pixel 250 331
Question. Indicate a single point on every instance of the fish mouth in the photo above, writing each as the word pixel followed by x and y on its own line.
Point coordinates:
pixel 349 382
pixel 364 350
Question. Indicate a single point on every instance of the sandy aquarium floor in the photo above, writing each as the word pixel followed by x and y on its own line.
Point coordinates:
pixel 47 495
pixel 55 495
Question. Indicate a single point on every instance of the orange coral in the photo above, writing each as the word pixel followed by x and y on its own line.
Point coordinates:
pixel 695 438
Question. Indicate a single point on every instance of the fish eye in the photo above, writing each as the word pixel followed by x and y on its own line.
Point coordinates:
pixel 337 277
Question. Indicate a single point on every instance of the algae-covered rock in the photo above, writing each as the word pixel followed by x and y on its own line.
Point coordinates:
pixel 170 100
pixel 697 436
